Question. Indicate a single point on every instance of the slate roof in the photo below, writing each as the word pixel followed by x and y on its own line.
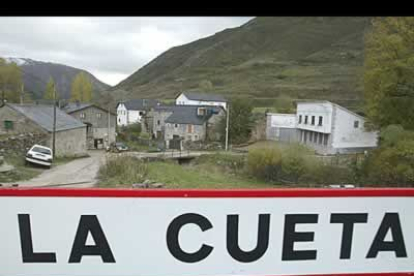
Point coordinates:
pixel 186 114
pixel 73 107
pixel 204 97
pixel 140 104
pixel 42 115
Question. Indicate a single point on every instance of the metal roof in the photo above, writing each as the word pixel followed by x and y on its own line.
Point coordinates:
pixel 42 115
pixel 204 97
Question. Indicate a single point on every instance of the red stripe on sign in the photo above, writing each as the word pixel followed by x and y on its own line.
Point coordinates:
pixel 218 193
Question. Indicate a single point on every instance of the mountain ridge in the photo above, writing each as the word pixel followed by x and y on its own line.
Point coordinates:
pixel 303 57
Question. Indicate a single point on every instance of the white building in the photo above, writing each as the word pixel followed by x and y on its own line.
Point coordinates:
pixel 131 111
pixel 281 127
pixel 204 99
pixel 330 128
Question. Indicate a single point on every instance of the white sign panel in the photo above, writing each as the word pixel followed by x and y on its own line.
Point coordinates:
pixel 205 236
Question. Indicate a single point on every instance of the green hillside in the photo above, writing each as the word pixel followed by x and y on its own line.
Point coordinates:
pixel 304 57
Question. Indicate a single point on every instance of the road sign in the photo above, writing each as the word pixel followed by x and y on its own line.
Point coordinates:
pixel 99 232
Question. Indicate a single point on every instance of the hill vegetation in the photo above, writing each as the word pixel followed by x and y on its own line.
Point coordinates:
pixel 302 57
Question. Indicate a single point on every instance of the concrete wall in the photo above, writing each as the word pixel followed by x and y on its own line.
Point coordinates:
pixel 347 137
pixel 70 142
pixel 281 127
pixel 158 121
pixel 21 124
pixel 316 109
pixel 183 100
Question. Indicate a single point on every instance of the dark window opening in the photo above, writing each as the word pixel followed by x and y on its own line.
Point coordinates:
pixel 313 120
pixel 8 124
pixel 320 121
pixel 300 119
pixel 306 119
pixel 356 124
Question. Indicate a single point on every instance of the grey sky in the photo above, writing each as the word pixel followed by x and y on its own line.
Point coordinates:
pixel 111 48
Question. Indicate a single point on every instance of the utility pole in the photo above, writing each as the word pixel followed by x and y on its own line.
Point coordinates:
pixel 21 93
pixel 227 127
pixel 109 125
pixel 54 121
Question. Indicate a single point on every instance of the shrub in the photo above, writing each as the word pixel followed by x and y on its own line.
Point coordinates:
pixel 294 162
pixel 265 164
pixel 123 170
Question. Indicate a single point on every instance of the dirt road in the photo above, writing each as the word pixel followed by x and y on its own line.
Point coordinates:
pixel 80 173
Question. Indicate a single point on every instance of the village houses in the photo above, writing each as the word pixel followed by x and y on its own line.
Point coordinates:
pixel 132 111
pixel 200 99
pixel 29 119
pixel 100 123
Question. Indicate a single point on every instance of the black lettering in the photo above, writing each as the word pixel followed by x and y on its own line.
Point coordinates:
pixel 348 221
pixel 90 224
pixel 174 245
pixel 27 243
pixel 391 221
pixel 290 237
pixel 233 239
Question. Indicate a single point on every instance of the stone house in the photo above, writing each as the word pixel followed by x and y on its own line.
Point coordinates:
pixel 100 123
pixel 132 111
pixel 201 99
pixel 32 119
pixel 185 123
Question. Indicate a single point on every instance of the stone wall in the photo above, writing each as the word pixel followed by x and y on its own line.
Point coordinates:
pixel 19 144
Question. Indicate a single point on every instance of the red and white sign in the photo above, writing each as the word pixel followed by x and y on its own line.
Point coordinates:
pixel 50 232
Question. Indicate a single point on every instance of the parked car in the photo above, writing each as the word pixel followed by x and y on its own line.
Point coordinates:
pixel 40 155
pixel 118 147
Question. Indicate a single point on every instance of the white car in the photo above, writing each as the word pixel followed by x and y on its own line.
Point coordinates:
pixel 40 155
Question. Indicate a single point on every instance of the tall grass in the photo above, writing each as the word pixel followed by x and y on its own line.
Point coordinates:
pixel 122 170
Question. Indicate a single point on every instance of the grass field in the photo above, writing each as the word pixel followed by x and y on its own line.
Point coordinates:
pixel 210 172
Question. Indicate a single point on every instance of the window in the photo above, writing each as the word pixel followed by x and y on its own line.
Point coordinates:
pixel 201 111
pixel 320 121
pixel 356 124
pixel 8 124
pixel 158 122
pixel 313 120
pixel 98 115
pixel 300 119
pixel 306 119
pixel 190 128
pixel 141 113
pixel 176 125
pixel 82 115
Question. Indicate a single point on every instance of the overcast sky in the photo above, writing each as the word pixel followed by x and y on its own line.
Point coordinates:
pixel 111 48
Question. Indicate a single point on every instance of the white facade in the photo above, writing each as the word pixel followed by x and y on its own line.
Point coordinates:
pixel 127 117
pixel 281 127
pixel 330 128
pixel 183 100
pixel 282 120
